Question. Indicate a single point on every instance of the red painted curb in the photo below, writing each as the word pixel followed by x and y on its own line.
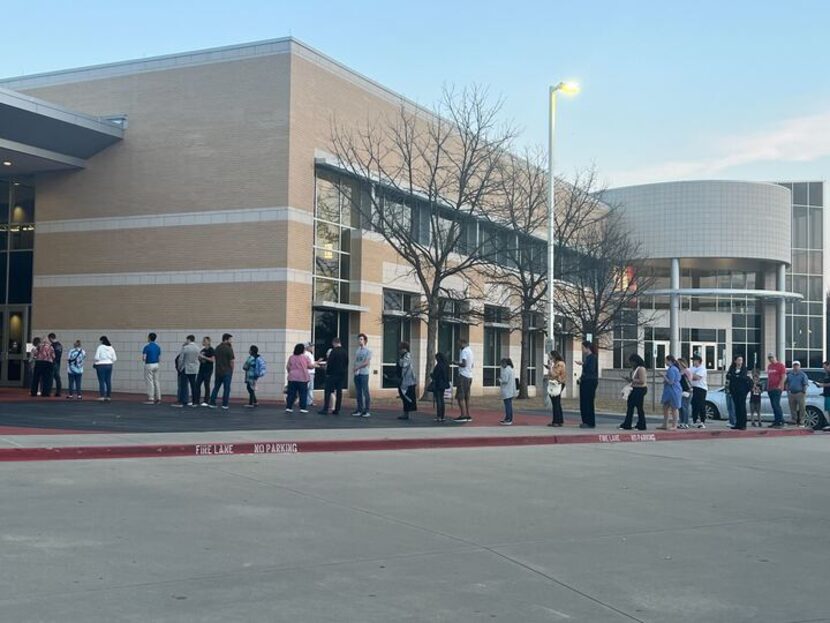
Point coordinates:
pixel 69 453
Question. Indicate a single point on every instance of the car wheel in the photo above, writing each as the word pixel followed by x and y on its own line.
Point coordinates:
pixel 812 417
pixel 712 412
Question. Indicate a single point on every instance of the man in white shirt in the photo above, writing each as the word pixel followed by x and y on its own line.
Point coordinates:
pixel 699 389
pixel 465 363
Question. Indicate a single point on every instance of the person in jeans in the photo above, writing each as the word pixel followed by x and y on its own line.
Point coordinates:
pixel 362 361
pixel 699 390
pixel 466 364
pixel 776 379
pixel 797 383
pixel 686 395
pixel 75 369
pixel 255 369
pixel 224 361
pixel 44 356
pixel 309 353
pixel 507 384
pixel 297 368
pixel 187 365
pixel 440 376
pixel 672 394
pixel 151 355
pixel 588 382
pixel 206 359
pixel 557 374
pixel 105 358
pixel 730 401
pixel 639 388
pixel 336 366
pixel 56 364
pixel 407 388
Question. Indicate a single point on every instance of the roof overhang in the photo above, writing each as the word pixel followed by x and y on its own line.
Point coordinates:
pixel 714 292
pixel 37 136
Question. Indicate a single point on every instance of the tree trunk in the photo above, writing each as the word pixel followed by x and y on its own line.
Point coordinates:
pixel 524 357
pixel 432 339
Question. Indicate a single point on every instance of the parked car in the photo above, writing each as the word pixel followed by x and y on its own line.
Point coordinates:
pixel 716 404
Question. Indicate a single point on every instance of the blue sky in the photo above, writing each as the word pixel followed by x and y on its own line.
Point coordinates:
pixel 671 90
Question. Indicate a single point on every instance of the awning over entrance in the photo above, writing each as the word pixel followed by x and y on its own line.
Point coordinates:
pixel 706 292
pixel 38 136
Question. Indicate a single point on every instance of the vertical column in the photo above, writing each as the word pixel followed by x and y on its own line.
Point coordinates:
pixel 674 315
pixel 781 315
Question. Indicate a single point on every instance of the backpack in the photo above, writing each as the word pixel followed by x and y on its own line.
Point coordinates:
pixel 259 367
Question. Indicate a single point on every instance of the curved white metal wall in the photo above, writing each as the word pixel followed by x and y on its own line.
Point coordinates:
pixel 702 219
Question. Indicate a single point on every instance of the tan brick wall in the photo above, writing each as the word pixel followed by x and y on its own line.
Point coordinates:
pixel 235 245
pixel 200 138
pixel 241 305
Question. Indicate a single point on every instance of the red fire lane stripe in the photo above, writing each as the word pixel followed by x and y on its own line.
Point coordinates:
pixel 67 453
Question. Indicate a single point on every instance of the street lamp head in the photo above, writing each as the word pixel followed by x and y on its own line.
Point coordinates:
pixel 568 88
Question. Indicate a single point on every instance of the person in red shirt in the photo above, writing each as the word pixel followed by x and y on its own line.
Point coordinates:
pixel 776 377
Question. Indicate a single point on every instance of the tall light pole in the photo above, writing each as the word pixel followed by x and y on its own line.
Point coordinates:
pixel 568 88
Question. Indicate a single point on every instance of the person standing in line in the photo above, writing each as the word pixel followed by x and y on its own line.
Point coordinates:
pixel 337 369
pixel 507 385
pixel 297 368
pixel 56 364
pixel 75 370
pixel 776 379
pixel 105 358
pixel 755 399
pixel 699 389
pixel 187 365
pixel 43 355
pixel 739 385
pixel 255 369
pixel 556 385
pixel 151 355
pixel 440 376
pixel 309 353
pixel 730 401
pixel 409 383
pixel 639 388
pixel 224 360
pixel 362 361
pixel 672 394
pixel 588 382
pixel 825 392
pixel 206 359
pixel 686 393
pixel 797 383
pixel 466 364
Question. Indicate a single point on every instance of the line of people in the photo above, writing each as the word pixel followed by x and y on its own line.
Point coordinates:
pixel 46 355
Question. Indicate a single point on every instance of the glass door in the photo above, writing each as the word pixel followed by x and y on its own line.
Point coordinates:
pixel 656 352
pixel 13 331
pixel 708 352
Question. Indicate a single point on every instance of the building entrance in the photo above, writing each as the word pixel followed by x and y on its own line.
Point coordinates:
pixel 14 331
pixel 709 354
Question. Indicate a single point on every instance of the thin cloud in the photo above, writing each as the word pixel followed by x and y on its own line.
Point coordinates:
pixel 800 139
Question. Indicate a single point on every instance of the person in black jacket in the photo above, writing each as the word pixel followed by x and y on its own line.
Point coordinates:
pixel 440 376
pixel 337 368
pixel 588 385
pixel 739 386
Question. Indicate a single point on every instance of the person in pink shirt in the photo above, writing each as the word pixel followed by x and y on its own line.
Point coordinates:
pixel 298 377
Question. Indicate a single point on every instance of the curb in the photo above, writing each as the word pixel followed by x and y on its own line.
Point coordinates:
pixel 68 453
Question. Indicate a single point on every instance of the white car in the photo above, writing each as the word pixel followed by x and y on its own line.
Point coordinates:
pixel 716 404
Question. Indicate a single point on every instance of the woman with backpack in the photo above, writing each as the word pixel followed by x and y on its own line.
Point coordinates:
pixel 75 370
pixel 255 369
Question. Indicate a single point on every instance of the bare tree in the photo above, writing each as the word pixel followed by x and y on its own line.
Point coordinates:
pixel 601 268
pixel 430 178
pixel 517 269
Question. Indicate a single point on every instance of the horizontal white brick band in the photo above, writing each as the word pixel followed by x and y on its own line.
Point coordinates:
pixel 248 275
pixel 180 219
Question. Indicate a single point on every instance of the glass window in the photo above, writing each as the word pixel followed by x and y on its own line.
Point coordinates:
pixel 395 331
pixel 800 228
pixel 326 290
pixel 328 236
pixel 20 277
pixel 816 194
pixel 800 335
pixel 815 262
pixel 816 232
pixel 328 200
pixel 800 194
pixel 4 236
pixel 4 202
pixel 800 263
pixel 814 289
pixel 3 260
pixel 492 355
pixel 21 237
pixel 816 335
pixel 326 264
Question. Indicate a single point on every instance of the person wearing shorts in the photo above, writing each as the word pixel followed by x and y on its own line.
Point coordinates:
pixel 465 363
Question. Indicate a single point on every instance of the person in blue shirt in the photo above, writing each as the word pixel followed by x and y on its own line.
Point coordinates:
pixel 672 396
pixel 151 355
pixel 797 383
